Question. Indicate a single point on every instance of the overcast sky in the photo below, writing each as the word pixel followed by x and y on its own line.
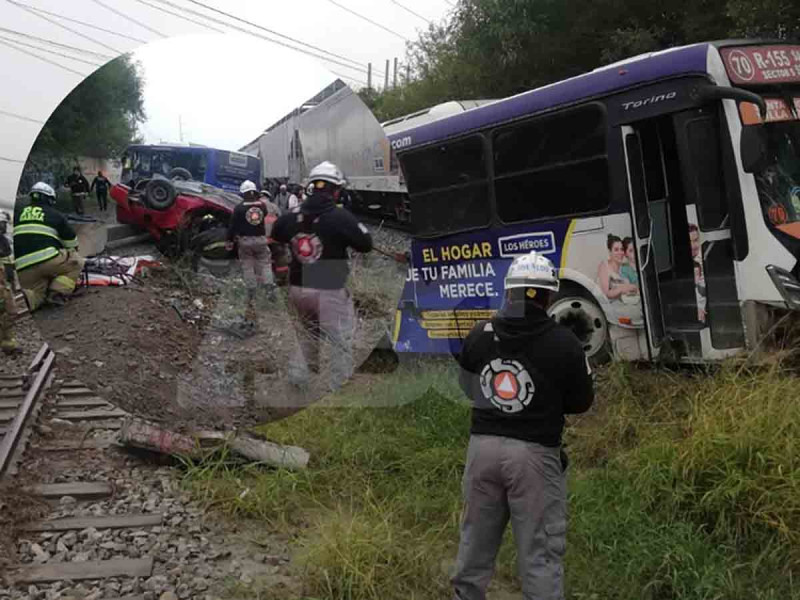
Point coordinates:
pixel 222 90
pixel 47 47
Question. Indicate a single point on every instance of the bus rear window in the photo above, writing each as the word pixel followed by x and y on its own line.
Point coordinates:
pixel 448 187
pixel 552 166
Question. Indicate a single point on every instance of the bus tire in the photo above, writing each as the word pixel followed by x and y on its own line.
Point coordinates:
pixel 180 174
pixel 575 308
pixel 160 194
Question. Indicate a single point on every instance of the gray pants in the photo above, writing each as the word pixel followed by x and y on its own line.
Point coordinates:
pixel 327 314
pixel 508 478
pixel 256 259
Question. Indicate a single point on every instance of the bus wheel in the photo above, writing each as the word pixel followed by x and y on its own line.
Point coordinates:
pixel 160 194
pixel 180 174
pixel 585 318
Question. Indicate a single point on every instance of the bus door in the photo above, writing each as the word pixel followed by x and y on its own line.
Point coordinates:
pixel 643 239
pixel 711 198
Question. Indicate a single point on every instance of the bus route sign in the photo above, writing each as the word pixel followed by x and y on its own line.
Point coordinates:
pixel 753 65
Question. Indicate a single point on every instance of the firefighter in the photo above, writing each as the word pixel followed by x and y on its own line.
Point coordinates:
pixel 8 344
pixel 280 258
pixel 319 235
pixel 248 228
pixel 522 372
pixel 45 245
pixel 79 189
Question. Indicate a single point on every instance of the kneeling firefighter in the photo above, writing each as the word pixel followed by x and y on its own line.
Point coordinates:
pixel 45 245
pixel 522 372
pixel 248 228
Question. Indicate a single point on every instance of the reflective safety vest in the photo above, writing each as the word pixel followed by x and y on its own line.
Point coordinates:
pixel 40 232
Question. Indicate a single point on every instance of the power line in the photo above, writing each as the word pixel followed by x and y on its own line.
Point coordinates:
pixel 260 36
pixel 105 57
pixel 129 18
pixel 88 62
pixel 368 20
pixel 62 26
pixel 12 160
pixel 20 117
pixel 85 24
pixel 42 58
pixel 184 17
pixel 286 37
pixel 416 14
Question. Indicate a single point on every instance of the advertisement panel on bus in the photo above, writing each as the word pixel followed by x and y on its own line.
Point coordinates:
pixel 455 281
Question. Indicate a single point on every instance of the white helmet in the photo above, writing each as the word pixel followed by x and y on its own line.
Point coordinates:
pixel 266 194
pixel 283 187
pixel 247 186
pixel 532 271
pixel 327 171
pixel 42 189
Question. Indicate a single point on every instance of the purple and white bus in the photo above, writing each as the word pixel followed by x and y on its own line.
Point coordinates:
pixel 665 187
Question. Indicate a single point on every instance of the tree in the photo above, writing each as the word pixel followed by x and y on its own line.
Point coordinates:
pixel 98 118
pixel 496 48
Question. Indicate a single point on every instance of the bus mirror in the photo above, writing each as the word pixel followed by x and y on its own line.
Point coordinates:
pixel 707 93
pixel 754 149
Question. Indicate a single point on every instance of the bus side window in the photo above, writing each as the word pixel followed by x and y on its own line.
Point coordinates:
pixel 447 184
pixel 552 166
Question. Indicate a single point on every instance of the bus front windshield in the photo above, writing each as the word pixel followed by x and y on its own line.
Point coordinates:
pixel 779 183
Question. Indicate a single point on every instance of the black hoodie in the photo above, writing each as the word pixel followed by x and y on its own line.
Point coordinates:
pixel 318 236
pixel 523 374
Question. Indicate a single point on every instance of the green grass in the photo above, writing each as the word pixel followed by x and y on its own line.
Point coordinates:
pixel 682 486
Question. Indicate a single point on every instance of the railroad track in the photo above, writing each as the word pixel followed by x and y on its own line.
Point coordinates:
pixel 24 407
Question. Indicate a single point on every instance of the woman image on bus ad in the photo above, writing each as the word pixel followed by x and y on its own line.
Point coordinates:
pixel 619 281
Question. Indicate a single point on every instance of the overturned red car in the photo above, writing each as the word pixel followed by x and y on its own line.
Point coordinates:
pixel 173 211
pixel 182 216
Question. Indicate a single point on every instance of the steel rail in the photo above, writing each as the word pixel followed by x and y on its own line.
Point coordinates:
pixel 44 360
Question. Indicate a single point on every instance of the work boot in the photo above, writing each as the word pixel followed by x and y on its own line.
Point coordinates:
pixel 57 299
pixel 10 347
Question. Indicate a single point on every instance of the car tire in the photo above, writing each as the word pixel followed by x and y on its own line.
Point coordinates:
pixel 160 194
pixel 180 174
pixel 577 310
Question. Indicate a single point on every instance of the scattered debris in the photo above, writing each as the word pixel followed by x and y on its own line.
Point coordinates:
pixel 138 433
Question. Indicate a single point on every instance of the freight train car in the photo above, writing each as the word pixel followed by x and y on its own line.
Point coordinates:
pixel 336 125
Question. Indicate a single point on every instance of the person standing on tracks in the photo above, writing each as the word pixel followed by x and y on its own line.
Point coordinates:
pixel 101 185
pixel 248 228
pixel 79 188
pixel 45 245
pixel 319 235
pixel 285 200
pixel 522 372
pixel 8 343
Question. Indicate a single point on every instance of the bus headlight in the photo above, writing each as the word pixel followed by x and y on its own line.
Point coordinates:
pixel 787 285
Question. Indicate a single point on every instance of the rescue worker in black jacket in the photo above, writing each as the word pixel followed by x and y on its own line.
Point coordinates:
pixel 79 189
pixel 522 372
pixel 45 245
pixel 249 230
pixel 319 234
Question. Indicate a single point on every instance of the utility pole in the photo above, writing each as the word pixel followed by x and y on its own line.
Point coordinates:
pixel 408 72
pixel 386 78
pixel 394 84
pixel 180 127
pixel 369 76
